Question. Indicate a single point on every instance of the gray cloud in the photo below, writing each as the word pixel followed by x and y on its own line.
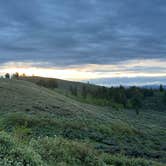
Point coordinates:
pixel 82 31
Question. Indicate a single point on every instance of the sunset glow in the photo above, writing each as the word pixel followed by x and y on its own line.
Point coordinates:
pixel 87 72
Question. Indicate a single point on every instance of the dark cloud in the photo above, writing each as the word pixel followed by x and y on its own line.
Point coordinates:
pixel 82 31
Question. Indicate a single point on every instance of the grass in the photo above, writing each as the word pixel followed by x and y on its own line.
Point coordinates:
pixel 59 130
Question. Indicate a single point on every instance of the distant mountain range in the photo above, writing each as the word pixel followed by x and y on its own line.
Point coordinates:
pixel 146 82
pixel 153 86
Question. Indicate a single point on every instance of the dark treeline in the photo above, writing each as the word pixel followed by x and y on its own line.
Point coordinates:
pixel 128 97
pixel 132 97
pixel 14 75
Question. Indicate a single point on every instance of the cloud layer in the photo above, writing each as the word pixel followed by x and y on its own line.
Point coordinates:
pixel 81 32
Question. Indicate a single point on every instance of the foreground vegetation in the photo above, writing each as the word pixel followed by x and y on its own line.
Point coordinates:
pixel 58 151
pixel 42 127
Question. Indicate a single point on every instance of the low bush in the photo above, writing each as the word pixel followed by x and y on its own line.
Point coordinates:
pixel 123 128
pixel 65 152
pixel 57 151
pixel 12 153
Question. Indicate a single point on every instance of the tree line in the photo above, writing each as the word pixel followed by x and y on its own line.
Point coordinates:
pixel 14 75
pixel 132 97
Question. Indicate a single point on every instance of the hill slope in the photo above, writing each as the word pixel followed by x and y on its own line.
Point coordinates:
pixel 32 116
pixel 118 97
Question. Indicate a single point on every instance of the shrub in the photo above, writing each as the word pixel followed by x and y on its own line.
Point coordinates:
pixel 13 153
pixel 55 150
pixel 22 133
pixel 20 119
pixel 123 128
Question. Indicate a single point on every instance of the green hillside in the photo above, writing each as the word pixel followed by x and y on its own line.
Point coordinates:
pixel 41 126
pixel 118 97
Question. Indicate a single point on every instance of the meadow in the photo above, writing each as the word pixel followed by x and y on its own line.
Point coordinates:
pixel 49 126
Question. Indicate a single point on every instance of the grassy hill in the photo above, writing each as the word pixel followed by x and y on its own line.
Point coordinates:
pixel 117 97
pixel 41 126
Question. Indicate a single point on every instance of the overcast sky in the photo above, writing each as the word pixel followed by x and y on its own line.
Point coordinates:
pixel 77 33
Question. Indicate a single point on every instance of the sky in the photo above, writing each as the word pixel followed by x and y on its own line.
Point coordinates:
pixel 106 41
